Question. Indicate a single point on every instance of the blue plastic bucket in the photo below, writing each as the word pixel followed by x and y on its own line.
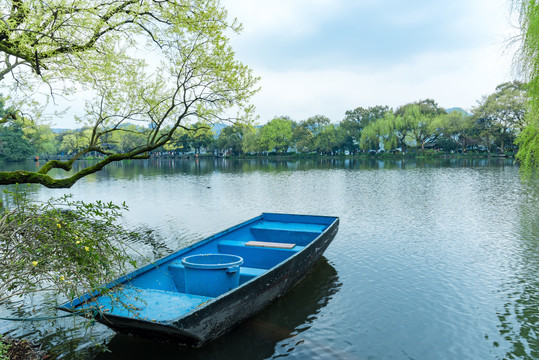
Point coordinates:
pixel 211 274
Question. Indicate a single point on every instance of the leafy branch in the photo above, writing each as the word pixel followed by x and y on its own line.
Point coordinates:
pixel 61 246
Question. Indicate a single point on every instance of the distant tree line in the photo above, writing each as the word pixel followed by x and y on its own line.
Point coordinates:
pixel 492 126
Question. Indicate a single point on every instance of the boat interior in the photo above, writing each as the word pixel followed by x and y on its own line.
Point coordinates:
pixel 159 293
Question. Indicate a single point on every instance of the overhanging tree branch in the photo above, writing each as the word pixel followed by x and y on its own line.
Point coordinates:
pixel 101 48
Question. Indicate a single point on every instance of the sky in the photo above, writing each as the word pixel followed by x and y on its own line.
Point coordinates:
pixel 324 57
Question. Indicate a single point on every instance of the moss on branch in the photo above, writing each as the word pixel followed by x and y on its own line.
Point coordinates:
pixel 29 177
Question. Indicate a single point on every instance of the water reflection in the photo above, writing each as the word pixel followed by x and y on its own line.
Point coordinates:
pixel 69 337
pixel 438 257
pixel 519 317
pixel 287 317
pixel 131 169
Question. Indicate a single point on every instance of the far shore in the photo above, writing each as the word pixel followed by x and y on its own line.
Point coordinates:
pixel 429 154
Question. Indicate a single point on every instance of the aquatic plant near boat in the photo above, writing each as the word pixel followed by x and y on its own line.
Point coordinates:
pixel 62 246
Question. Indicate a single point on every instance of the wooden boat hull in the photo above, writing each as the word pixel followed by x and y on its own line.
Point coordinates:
pixel 218 315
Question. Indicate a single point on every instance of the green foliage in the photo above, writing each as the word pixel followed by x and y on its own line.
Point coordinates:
pixel 447 144
pixel 457 129
pixel 21 137
pixel 316 134
pixel 202 136
pixel 103 47
pixel 429 153
pixel 362 117
pixel 415 125
pixel 13 145
pixel 529 64
pixel 75 141
pixel 123 140
pixel 500 116
pixel 250 139
pixel 316 124
pixel 303 138
pixel 330 140
pixel 276 135
pixel 4 348
pixel 529 52
pixel 230 139
pixel 371 136
pixel 423 124
pixel 39 136
pixel 61 246
pixel 195 137
pixel 427 107
pixel 3 111
pixel 528 142
pixel 358 119
pixel 181 142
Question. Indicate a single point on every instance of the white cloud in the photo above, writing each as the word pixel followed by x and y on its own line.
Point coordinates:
pixel 458 72
pixel 452 78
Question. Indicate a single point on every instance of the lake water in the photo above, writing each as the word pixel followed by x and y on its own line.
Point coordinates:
pixel 434 259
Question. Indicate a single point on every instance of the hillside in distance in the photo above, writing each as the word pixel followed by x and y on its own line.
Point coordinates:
pixel 460 110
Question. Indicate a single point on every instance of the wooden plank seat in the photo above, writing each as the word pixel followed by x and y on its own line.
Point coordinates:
pixel 269 244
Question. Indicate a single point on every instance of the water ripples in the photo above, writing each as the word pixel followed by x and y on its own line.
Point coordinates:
pixel 432 261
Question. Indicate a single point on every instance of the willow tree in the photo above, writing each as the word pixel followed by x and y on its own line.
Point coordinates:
pixel 380 131
pixel 158 64
pixel 528 140
pixel 422 123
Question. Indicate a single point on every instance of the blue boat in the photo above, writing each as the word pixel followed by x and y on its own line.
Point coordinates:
pixel 198 293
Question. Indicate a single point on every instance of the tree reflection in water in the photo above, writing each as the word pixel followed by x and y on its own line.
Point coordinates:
pixel 519 320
